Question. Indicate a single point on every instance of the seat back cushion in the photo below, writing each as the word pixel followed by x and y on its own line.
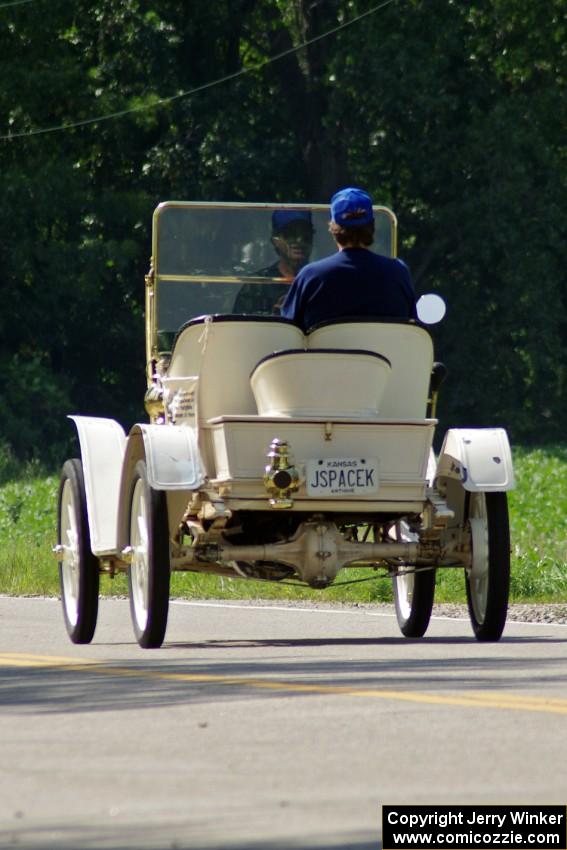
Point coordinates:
pixel 409 349
pixel 222 352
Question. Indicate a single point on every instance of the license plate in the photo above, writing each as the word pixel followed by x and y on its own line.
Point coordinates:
pixel 342 476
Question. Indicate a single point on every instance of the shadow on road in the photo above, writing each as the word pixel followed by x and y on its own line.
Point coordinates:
pixel 130 837
pixel 243 674
pixel 348 641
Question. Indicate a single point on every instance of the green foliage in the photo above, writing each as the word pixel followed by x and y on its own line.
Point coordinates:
pixel 10 466
pixel 538 528
pixel 27 523
pixel 453 113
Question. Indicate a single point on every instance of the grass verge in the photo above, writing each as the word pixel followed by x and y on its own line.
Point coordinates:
pixel 538 516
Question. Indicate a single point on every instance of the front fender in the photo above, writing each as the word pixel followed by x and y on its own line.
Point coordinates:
pixel 102 450
pixel 479 458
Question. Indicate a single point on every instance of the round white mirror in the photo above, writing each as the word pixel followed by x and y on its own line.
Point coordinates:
pixel 430 308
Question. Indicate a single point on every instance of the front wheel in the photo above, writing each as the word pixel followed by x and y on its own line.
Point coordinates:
pixel 78 569
pixel 488 579
pixel 148 574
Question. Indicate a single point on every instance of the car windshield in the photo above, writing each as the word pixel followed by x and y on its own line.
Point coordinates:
pixel 235 258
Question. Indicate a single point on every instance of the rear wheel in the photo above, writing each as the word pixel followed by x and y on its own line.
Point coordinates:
pixel 78 568
pixel 148 574
pixel 413 593
pixel 488 580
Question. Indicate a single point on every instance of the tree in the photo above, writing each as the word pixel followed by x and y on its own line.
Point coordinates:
pixel 452 113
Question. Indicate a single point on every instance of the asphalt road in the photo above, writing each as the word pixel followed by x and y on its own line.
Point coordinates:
pixel 263 728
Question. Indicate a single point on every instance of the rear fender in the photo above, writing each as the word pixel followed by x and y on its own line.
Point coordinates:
pixel 102 450
pixel 479 458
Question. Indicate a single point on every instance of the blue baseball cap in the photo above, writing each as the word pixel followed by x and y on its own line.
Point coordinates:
pixel 281 218
pixel 351 207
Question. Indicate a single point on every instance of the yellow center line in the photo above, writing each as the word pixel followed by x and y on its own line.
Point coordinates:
pixel 468 699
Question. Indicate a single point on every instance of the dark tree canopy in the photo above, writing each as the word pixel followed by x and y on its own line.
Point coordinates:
pixel 452 113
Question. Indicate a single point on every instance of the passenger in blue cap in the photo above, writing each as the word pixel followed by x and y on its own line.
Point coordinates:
pixel 355 281
pixel 292 238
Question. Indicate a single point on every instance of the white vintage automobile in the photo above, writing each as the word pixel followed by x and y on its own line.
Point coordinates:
pixel 276 455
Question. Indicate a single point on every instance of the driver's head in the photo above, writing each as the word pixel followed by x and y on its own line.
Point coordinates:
pixel 292 237
pixel 352 218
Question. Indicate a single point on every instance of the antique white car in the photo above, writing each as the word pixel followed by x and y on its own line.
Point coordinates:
pixel 276 455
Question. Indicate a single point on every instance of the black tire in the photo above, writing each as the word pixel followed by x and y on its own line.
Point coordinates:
pixel 487 597
pixel 413 595
pixel 79 573
pixel 149 571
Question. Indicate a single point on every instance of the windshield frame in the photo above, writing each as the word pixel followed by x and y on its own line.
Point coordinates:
pixel 155 278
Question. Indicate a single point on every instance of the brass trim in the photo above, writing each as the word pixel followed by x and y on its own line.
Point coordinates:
pixel 280 464
pixel 151 337
pixel 211 278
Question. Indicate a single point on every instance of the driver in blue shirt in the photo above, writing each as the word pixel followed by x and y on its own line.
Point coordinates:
pixel 355 281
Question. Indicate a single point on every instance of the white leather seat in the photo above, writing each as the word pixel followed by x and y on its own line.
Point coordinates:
pixel 409 349
pixel 222 351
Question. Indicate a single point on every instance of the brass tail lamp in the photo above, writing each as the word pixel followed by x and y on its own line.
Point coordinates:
pixel 281 478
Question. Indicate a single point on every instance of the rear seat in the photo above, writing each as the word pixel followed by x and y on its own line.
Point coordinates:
pixel 407 346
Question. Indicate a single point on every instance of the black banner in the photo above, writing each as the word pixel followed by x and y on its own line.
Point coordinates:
pixel 474 827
